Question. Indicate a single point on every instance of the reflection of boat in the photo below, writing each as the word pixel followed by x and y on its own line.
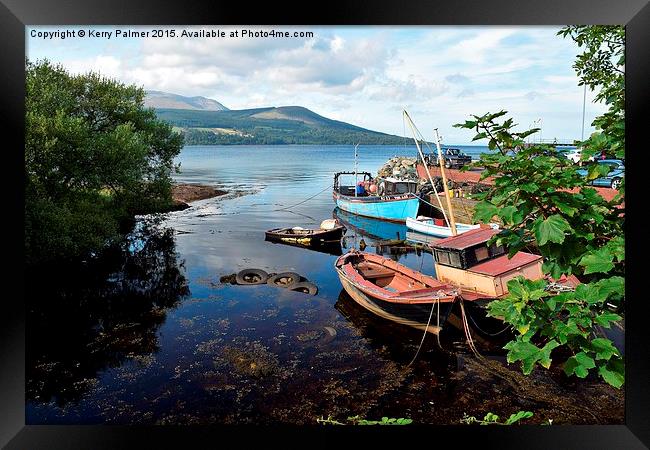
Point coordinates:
pixel 388 199
pixel 373 228
pixel 332 248
pixel 419 238
pixel 395 292
pixel 436 227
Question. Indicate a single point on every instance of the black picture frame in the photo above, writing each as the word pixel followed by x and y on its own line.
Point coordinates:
pixel 16 14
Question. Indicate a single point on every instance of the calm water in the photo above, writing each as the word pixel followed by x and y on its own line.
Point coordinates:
pixel 150 335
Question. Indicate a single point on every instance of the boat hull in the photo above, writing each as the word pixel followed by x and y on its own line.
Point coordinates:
pixel 428 227
pixel 413 315
pixel 391 208
pixel 315 238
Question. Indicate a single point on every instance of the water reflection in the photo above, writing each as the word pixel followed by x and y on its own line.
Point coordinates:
pixel 94 316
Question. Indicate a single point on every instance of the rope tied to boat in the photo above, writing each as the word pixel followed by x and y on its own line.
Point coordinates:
pixel 306 200
pixel 468 335
pixel 426 329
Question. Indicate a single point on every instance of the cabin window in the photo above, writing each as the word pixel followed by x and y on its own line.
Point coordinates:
pixel 496 250
pixel 401 188
pixel 481 253
pixel 454 259
pixel 442 257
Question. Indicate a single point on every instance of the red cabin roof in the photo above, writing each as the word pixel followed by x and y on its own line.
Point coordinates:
pixel 467 239
pixel 502 264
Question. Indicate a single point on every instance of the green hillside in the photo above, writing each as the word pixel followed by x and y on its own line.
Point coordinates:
pixel 268 126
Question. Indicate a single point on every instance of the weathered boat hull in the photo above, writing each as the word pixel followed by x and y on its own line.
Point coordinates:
pixel 414 315
pixel 391 208
pixel 395 292
pixel 315 237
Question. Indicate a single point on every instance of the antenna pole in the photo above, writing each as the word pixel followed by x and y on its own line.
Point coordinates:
pixel 584 101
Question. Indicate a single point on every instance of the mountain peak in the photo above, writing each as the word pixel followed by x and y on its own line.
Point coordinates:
pixel 160 99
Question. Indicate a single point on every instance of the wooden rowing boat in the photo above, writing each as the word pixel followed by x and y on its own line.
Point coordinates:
pixel 395 292
pixel 328 233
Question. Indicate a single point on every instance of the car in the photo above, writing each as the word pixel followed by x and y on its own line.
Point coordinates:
pixel 613 178
pixel 451 157
pixel 571 153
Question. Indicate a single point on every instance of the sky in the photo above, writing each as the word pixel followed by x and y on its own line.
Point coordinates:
pixel 362 75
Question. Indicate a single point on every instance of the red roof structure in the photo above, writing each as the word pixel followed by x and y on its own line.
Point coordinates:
pixel 500 265
pixel 467 239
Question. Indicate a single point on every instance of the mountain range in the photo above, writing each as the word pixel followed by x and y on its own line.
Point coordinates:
pixel 204 121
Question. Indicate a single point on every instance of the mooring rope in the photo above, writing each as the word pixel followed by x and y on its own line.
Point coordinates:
pixel 306 200
pixel 425 332
pixel 470 341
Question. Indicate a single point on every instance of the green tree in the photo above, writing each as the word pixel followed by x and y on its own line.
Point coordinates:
pixel 94 157
pixel 547 207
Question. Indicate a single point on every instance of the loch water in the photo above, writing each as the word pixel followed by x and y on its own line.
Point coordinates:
pixel 148 334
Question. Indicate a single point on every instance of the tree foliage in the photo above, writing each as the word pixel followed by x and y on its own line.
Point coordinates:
pixel 94 157
pixel 548 208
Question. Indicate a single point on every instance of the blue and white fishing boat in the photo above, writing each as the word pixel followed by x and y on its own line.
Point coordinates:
pixel 382 198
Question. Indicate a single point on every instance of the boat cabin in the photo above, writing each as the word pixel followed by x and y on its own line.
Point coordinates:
pixel 394 186
pixel 349 189
pixel 467 249
pixel 481 270
pixel 367 186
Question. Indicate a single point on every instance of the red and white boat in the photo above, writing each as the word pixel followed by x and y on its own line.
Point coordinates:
pixel 395 292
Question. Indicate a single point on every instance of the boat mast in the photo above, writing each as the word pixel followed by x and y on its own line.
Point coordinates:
pixel 355 170
pixel 426 168
pixel 452 224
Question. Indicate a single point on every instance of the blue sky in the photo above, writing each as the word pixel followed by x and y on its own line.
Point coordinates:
pixel 362 75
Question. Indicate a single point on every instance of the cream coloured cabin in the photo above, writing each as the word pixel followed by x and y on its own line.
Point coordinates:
pixel 478 269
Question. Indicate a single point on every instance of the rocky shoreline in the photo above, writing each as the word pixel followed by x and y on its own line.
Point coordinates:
pixel 183 194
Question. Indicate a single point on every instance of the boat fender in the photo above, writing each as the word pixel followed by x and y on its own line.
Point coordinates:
pixel 306 287
pixel 252 276
pixel 284 279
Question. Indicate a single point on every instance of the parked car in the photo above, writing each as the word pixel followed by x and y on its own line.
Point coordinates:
pixel 571 153
pixel 451 157
pixel 613 178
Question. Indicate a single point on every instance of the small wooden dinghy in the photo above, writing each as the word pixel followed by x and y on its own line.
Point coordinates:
pixel 329 232
pixel 395 292
pixel 437 227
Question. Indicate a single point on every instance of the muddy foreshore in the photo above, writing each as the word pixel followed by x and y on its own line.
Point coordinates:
pixel 183 194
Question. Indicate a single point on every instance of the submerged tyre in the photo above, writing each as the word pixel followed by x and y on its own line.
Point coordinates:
pixel 284 279
pixel 252 276
pixel 306 287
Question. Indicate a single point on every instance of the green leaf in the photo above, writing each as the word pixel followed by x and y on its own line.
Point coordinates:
pixel 609 286
pixel 518 416
pixel 579 365
pixel 613 373
pixel 525 352
pixel 565 208
pixel 551 229
pixel 604 348
pixel 545 354
pixel 485 211
pixel 597 261
pixel 605 319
